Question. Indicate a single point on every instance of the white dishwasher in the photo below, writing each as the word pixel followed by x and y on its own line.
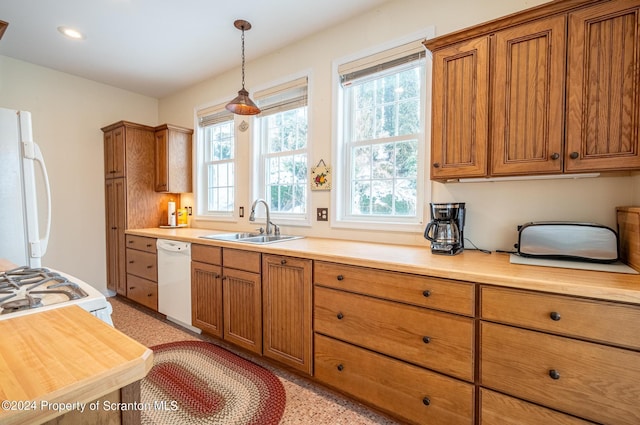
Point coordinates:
pixel 174 281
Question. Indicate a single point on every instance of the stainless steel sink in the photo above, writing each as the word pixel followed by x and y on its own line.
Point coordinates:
pixel 230 236
pixel 255 238
pixel 264 239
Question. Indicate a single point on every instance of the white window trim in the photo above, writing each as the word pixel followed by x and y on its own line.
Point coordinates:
pixel 339 196
pixel 257 167
pixel 200 172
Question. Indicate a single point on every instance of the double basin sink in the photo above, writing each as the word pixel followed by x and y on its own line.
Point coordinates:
pixel 254 238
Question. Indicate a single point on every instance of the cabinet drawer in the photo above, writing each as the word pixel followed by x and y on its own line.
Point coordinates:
pixel 241 260
pixel 142 291
pixel 408 391
pixel 617 324
pixel 206 254
pixel 142 264
pixel 593 381
pixel 141 243
pixel 440 341
pixel 500 409
pixel 441 294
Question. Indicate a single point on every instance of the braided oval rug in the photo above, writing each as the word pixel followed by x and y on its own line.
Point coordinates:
pixel 194 382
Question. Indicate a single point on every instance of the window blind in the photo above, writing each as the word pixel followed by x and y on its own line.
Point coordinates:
pixel 213 115
pixel 373 64
pixel 284 97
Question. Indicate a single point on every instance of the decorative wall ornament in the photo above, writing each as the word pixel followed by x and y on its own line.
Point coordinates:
pixel 243 126
pixel 321 176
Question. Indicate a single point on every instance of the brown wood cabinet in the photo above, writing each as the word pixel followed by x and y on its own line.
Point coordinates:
pixel 206 289
pixel 556 365
pixel 173 159
pixel 242 298
pixel 287 310
pixel 130 198
pixel 394 348
pixel 142 270
pixel 499 105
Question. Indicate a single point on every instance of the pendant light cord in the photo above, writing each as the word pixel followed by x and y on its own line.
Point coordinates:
pixel 243 57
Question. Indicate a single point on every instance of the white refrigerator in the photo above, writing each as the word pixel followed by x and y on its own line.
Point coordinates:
pixel 22 174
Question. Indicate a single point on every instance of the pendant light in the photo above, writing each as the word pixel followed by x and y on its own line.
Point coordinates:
pixel 242 104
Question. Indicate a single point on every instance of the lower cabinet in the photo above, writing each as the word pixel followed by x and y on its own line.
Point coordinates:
pixel 415 394
pixel 206 297
pixel 500 409
pixel 242 308
pixel 142 271
pixel 286 311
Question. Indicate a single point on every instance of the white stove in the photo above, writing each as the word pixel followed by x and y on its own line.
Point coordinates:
pixel 26 290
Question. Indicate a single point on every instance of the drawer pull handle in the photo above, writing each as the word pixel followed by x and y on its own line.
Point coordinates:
pixel 150 267
pixel 554 374
pixel 340 316
pixel 130 261
pixel 216 276
pixel 340 277
pixel 149 295
pixel 283 262
pixel 426 401
pixel 426 339
pixel 131 241
pixel 149 245
pixel 340 368
pixel 132 288
pixel 555 316
pixel 426 293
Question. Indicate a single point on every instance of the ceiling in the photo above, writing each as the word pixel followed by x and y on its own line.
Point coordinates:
pixel 158 47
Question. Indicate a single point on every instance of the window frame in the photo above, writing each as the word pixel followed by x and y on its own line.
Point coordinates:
pixel 341 196
pixel 201 178
pixel 259 179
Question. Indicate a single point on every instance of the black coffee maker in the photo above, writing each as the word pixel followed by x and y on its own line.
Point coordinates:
pixel 445 230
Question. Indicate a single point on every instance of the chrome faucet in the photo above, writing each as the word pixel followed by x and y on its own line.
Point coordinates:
pixel 252 216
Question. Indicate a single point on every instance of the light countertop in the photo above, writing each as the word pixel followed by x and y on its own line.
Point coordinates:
pixel 471 265
pixel 64 355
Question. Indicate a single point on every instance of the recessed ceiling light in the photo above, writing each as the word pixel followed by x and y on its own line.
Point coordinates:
pixel 71 33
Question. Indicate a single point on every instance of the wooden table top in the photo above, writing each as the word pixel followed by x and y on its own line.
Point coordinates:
pixel 472 266
pixel 64 355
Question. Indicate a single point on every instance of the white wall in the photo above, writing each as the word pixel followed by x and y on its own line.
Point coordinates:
pixel 494 209
pixel 67 114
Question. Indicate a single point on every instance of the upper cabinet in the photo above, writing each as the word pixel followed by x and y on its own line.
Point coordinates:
pixel 603 87
pixel 173 159
pixel 548 90
pixel 114 158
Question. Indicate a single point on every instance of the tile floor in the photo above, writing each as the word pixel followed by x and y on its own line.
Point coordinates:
pixel 307 402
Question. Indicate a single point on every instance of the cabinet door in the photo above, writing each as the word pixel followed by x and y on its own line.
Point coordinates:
pixel 206 297
pixel 162 161
pixel 286 305
pixel 115 201
pixel 528 98
pixel 114 153
pixel 459 132
pixel 603 87
pixel 242 309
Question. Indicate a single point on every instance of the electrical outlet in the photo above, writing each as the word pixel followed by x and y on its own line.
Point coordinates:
pixel 323 214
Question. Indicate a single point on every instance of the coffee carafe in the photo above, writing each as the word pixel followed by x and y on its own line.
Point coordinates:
pixel 445 230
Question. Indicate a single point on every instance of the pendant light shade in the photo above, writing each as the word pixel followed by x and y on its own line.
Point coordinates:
pixel 242 104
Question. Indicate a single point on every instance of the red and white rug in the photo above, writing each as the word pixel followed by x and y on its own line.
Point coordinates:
pixel 195 382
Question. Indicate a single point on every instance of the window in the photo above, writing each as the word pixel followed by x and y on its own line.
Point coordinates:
pixel 216 173
pixel 382 145
pixel 282 146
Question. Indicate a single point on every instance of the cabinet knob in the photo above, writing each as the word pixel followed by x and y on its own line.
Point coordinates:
pixel 554 374
pixel 340 316
pixel 426 339
pixel 426 401
pixel 340 367
pixel 283 262
pixel 216 276
pixel 340 277
pixel 426 293
pixel 436 165
pixel 555 156
pixel 574 155
pixel 555 316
